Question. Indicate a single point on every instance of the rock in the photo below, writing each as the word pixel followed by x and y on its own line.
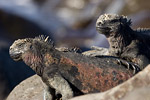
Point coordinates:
pixel 136 88
pixel 29 89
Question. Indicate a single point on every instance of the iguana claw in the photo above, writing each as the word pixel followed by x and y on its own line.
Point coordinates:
pixel 129 65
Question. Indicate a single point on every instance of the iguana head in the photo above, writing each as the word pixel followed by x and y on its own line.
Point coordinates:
pixel 110 24
pixel 19 47
pixel 34 46
pixel 31 51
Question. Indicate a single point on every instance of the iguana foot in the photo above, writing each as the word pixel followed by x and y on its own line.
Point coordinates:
pixel 129 65
pixel 65 49
pixel 51 96
pixel 96 52
pixel 62 89
pixel 104 51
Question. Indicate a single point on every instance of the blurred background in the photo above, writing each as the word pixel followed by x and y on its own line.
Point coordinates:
pixel 69 23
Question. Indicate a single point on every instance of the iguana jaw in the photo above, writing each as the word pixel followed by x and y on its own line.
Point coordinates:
pixel 15 55
pixel 103 30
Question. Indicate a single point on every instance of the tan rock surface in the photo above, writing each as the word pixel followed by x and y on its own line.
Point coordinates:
pixel 29 89
pixel 136 88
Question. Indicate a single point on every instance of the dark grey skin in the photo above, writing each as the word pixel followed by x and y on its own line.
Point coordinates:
pixel 131 45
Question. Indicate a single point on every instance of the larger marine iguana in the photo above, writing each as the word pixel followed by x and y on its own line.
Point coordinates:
pixel 67 73
pixel 126 43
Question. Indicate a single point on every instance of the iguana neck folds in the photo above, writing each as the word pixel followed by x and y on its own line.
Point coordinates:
pixel 33 60
pixel 118 42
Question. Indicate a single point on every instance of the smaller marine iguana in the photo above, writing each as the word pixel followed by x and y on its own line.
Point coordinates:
pixel 67 74
pixel 126 43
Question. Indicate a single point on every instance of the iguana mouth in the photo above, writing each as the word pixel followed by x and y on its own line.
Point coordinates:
pixel 103 30
pixel 15 57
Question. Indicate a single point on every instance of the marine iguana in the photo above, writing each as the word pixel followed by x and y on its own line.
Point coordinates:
pixel 125 42
pixel 67 74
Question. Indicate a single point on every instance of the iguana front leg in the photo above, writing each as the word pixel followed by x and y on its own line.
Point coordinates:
pixel 49 93
pixel 55 81
pixel 96 51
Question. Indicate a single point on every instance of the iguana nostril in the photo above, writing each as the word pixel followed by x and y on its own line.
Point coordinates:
pixel 10 48
pixel 99 23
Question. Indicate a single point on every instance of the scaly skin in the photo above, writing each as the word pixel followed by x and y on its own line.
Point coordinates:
pixel 68 73
pixel 131 45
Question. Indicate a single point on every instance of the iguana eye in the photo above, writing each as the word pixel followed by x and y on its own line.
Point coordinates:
pixel 19 45
pixel 30 46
